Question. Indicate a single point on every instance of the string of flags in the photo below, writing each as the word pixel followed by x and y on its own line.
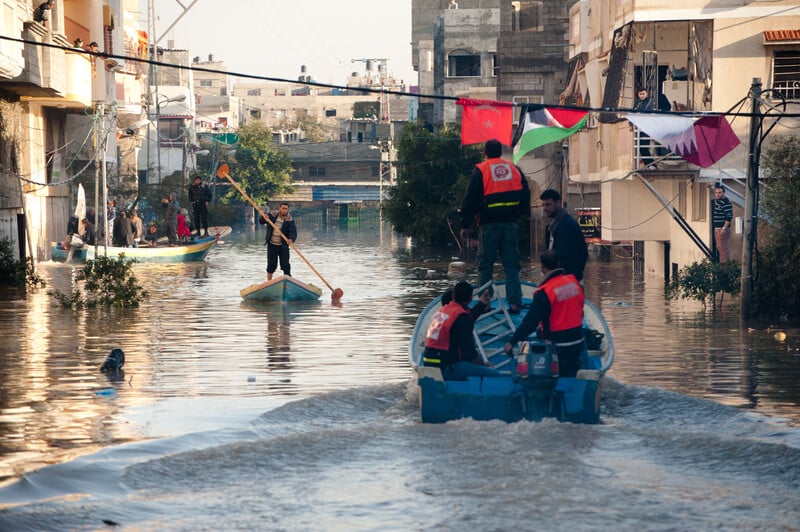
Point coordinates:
pixel 702 141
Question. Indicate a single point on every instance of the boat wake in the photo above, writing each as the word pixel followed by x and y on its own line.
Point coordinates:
pixel 365 454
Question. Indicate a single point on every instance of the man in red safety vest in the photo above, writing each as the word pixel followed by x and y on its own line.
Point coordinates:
pixel 497 195
pixel 558 306
pixel 449 342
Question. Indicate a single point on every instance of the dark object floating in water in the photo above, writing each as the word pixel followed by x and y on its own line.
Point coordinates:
pixel 115 361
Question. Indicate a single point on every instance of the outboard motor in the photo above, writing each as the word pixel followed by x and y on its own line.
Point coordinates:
pixel 537 369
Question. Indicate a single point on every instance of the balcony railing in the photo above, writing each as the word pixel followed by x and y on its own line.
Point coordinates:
pixel 648 153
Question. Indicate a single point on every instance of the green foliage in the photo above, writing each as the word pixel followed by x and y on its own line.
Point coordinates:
pixel 109 282
pixel 433 173
pixel 261 170
pixel 313 129
pixel 777 282
pixel 702 281
pixel 14 272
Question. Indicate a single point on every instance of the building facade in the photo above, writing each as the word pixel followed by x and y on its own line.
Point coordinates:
pixel 61 106
pixel 690 57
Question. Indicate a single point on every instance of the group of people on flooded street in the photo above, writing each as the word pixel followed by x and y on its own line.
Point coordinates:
pixel 127 229
pixel 496 197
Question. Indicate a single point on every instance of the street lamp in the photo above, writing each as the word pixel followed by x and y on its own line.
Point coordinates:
pixel 159 103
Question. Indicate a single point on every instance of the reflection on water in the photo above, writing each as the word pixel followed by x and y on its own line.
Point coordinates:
pixel 198 357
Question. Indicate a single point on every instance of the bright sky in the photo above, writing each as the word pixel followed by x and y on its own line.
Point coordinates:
pixel 275 37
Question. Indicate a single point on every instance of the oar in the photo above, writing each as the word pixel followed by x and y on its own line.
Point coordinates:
pixel 222 171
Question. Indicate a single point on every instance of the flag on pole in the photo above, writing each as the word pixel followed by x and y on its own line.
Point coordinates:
pixel 483 120
pixel 702 142
pixel 540 125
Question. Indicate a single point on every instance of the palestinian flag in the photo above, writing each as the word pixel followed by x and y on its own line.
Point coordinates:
pixel 540 125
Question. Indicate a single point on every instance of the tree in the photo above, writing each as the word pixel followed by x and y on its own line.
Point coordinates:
pixel 702 281
pixel 433 173
pixel 260 169
pixel 777 283
pixel 314 130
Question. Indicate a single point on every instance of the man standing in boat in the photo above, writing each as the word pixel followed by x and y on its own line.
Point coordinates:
pixel 173 207
pixel 199 196
pixel 497 195
pixel 280 229
pixel 558 306
pixel 564 235
pixel 450 344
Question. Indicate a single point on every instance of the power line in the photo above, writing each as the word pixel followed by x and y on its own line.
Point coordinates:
pixel 381 90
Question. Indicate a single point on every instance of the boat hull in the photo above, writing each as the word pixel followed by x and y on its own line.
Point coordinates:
pixel 283 288
pixel 514 396
pixel 59 253
pixel 194 252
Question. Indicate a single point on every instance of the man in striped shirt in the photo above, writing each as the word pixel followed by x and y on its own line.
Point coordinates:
pixel 721 216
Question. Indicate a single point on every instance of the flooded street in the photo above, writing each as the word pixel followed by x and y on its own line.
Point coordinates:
pixel 199 360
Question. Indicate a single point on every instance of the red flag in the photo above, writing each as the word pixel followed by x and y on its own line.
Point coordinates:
pixel 482 120
pixel 715 139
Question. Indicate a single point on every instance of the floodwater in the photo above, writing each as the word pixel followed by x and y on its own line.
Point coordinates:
pixel 304 416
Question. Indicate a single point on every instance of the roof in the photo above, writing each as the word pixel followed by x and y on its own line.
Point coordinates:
pixel 777 36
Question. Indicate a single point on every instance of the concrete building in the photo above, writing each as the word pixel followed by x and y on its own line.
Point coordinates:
pixel 284 105
pixel 337 172
pixel 171 139
pixel 58 105
pixel 533 67
pixel 695 56
pixel 216 109
pixel 454 50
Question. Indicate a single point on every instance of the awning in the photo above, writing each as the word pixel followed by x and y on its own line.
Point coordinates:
pixel 775 37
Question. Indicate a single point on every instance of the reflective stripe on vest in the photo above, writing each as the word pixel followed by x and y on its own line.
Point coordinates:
pixel 499 175
pixel 438 335
pixel 566 302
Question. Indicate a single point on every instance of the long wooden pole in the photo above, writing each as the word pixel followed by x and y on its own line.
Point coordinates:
pixel 336 293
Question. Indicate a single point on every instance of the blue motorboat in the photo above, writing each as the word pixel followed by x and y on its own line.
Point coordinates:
pixel 529 387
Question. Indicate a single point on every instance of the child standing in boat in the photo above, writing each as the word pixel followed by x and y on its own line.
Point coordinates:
pixel 184 234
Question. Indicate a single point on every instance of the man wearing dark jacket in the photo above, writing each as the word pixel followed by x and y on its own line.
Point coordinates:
pixel 558 306
pixel 449 342
pixel 199 196
pixel 564 235
pixel 497 195
pixel 280 230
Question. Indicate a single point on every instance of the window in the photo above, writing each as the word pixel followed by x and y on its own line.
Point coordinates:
pixel 205 83
pixel 700 201
pixel 463 64
pixel 316 171
pixel 171 131
pixel 255 113
pixel 786 73
pixel 376 170
pixel 495 66
pixel 330 112
pixel 254 92
pixel 529 15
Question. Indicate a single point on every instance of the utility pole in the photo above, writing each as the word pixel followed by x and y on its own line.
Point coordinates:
pixel 751 202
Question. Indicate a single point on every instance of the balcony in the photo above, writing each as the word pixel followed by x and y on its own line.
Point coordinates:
pixel 55 77
pixel 649 155
pixel 78 86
